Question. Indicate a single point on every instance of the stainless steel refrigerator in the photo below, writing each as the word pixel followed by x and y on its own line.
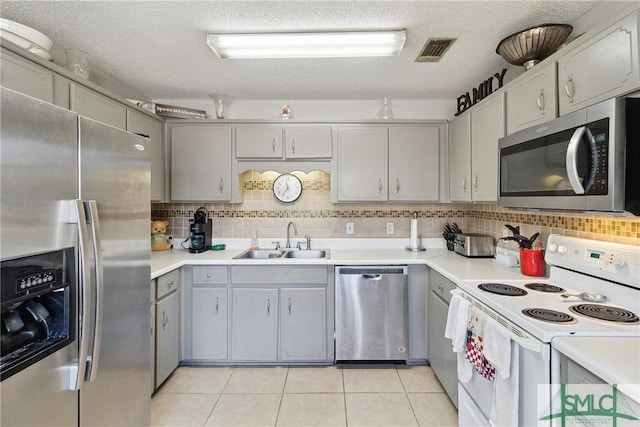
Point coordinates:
pixel 74 185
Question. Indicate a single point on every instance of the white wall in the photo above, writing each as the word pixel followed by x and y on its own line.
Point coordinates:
pixel 322 109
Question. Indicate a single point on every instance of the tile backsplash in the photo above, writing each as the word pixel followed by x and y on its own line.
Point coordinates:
pixel 315 215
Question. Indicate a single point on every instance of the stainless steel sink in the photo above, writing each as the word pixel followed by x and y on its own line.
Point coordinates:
pixel 279 253
pixel 311 253
pixel 260 254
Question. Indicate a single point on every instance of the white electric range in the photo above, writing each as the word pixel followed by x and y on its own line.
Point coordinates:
pixel 536 313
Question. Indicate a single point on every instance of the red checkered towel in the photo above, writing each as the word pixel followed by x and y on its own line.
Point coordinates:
pixel 474 345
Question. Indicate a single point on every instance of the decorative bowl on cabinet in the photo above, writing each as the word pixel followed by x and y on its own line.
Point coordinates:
pixel 530 46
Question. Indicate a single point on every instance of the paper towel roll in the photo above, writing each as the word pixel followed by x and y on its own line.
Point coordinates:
pixel 415 240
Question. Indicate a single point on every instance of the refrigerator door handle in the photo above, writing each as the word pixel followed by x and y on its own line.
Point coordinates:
pixel 93 360
pixel 84 295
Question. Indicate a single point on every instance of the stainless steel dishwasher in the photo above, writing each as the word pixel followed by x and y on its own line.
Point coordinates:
pixel 371 313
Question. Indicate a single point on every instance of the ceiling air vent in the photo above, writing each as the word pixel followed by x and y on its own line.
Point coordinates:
pixel 434 49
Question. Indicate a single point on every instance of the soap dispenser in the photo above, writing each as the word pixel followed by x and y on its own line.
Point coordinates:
pixel 254 242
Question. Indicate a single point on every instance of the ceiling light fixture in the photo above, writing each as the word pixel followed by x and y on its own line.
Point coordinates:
pixel 307 45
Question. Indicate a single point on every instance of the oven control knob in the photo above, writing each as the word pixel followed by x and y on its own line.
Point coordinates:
pixel 562 249
pixel 619 261
pixel 553 246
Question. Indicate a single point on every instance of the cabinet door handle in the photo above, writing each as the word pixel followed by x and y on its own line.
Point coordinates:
pixel 208 275
pixel 540 101
pixel 379 186
pixel 440 288
pixel 221 185
pixel 273 145
pixel 464 183
pixel 170 284
pixel 568 88
pixel 217 305
pixel 268 305
pixel 293 146
pixel 165 319
pixel 397 186
pixel 475 181
pixel 289 305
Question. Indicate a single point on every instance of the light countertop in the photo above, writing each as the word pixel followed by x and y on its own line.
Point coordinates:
pixel 614 359
pixel 349 252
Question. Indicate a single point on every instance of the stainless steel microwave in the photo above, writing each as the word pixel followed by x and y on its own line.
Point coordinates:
pixel 588 160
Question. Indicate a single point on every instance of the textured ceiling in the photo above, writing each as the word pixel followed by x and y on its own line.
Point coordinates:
pixel 159 47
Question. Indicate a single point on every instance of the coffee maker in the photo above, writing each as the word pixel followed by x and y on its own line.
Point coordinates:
pixel 201 230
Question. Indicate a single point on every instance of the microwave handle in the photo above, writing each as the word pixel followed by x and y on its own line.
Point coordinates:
pixel 572 160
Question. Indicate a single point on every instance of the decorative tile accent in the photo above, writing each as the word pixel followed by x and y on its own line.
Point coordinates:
pixel 317 216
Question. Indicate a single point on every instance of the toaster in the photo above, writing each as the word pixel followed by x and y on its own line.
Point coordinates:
pixel 474 245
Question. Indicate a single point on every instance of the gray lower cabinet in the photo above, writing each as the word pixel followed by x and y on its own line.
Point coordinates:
pixel 209 314
pixel 209 327
pixel 281 313
pixel 167 329
pixel 303 324
pixel 441 357
pixel 254 330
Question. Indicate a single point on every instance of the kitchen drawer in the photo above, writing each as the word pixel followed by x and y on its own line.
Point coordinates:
pixel 440 285
pixel 168 283
pixel 278 275
pixel 209 275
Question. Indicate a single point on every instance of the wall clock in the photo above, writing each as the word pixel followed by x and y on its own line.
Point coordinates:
pixel 287 188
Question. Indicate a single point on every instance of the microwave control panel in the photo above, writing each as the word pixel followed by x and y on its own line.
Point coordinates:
pixel 599 160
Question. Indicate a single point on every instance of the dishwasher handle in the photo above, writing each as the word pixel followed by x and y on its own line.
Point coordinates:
pixel 372 272
pixel 372 276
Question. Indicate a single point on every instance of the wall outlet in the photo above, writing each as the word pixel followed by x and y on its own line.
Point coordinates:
pixel 349 228
pixel 389 228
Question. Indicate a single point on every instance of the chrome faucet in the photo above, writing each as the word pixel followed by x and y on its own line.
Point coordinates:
pixel 295 230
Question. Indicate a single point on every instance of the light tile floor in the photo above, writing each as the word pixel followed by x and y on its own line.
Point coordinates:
pixel 343 395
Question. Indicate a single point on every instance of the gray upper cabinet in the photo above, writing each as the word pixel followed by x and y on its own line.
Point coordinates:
pixel 473 151
pixel 143 125
pixel 413 163
pixel 26 77
pixel 487 127
pixel 96 106
pixel 362 163
pixel 307 142
pixel 602 67
pixel 533 99
pixel 380 163
pixel 200 162
pixel 460 159
pixel 266 142
pixel 258 141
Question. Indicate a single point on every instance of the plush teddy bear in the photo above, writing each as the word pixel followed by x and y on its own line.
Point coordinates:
pixel 159 238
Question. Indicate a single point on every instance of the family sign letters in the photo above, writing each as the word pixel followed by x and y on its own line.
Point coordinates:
pixel 485 89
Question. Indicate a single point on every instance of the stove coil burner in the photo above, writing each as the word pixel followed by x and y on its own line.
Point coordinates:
pixel 551 316
pixel 544 287
pixel 606 313
pixel 502 289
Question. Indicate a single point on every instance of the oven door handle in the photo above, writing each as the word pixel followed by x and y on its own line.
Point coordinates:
pixel 571 160
pixel 516 335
